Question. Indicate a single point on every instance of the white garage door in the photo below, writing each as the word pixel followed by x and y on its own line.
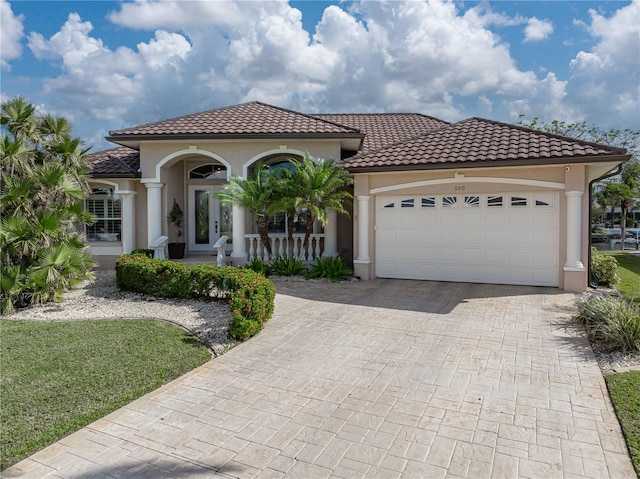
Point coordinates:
pixel 499 238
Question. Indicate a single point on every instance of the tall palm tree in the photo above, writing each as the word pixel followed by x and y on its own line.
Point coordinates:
pixel 255 194
pixel 44 183
pixel 321 186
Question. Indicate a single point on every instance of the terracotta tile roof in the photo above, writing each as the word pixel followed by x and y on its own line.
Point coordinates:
pixel 477 141
pixel 253 119
pixel 116 162
pixel 385 129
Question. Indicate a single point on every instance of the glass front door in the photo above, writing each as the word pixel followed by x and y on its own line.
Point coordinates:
pixel 203 227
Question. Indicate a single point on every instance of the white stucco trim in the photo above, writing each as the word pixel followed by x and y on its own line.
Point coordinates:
pixel 113 184
pixel 574 231
pixel 363 230
pixel 473 179
pixel 191 152
pixel 277 151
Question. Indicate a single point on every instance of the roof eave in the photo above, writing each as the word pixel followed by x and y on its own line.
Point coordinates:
pixel 491 164
pixel 113 175
pixel 230 136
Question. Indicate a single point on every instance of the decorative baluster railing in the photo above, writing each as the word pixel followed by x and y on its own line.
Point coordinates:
pixel 280 247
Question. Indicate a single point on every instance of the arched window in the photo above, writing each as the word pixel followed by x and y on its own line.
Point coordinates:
pixel 211 171
pixel 107 209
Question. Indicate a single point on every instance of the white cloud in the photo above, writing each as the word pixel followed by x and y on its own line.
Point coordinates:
pixel 176 14
pixel 167 48
pixel 11 33
pixel 377 56
pixel 537 30
pixel 605 81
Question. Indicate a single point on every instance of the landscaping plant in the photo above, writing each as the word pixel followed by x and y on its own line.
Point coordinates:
pixel 258 266
pixel 611 319
pixel 629 273
pixel 287 267
pixel 604 268
pixel 333 269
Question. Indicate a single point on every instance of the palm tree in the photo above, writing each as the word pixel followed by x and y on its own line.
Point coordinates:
pixel 320 186
pixel 255 194
pixel 287 193
pixel 44 184
pixel 629 194
pixel 623 192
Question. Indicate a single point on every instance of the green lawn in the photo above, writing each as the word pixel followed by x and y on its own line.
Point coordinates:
pixel 58 377
pixel 629 272
pixel 624 389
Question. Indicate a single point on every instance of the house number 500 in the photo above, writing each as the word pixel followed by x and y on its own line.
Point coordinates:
pixel 458 188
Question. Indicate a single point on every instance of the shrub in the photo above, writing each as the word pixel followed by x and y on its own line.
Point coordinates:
pixel 331 268
pixel 148 252
pixel 604 268
pixel 611 319
pixel 258 266
pixel 250 294
pixel 287 267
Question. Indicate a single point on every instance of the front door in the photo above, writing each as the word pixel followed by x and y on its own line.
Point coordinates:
pixel 203 225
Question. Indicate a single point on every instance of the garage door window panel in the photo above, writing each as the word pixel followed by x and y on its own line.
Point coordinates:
pixel 449 201
pixel 518 201
pixel 472 201
pixel 494 201
pixel 429 202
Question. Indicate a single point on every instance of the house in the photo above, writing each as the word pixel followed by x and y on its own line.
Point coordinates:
pixel 473 201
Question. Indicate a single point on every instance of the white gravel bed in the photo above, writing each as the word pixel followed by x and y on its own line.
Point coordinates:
pixel 101 299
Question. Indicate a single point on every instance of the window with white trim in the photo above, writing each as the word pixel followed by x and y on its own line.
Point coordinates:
pixel 107 209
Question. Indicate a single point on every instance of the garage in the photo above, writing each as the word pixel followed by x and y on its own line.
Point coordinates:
pixel 502 238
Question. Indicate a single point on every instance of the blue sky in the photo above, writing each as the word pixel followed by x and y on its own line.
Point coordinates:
pixel 107 65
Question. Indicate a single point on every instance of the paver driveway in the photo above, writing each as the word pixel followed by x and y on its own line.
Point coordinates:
pixel 384 378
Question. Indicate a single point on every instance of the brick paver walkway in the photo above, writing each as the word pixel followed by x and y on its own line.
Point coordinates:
pixel 373 379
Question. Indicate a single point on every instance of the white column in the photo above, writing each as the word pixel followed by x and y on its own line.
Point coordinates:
pixel 128 221
pixel 574 231
pixel 154 211
pixel 363 230
pixel 239 248
pixel 331 235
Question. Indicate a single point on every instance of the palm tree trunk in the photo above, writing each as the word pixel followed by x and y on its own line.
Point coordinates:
pixel 308 229
pixel 623 225
pixel 261 224
pixel 290 224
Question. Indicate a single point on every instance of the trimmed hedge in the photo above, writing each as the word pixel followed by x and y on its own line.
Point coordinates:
pixel 250 295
